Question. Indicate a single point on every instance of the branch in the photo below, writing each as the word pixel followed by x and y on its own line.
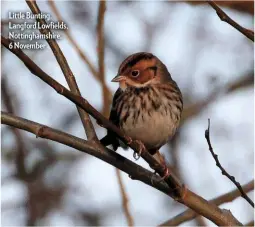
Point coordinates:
pixel 97 75
pixel 241 6
pixel 84 104
pixel 223 171
pixel 137 172
pixel 90 147
pixel 224 17
pixel 81 53
pixel 251 223
pixel 21 148
pixel 128 215
pixel 107 97
pixel 175 190
pixel 190 214
pixel 90 131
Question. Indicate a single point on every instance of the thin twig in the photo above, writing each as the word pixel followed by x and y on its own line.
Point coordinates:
pixel 90 131
pixel 21 149
pixel 100 50
pixel 175 190
pixel 223 171
pixel 107 97
pixel 124 196
pixel 97 75
pixel 251 223
pixel 224 17
pixel 81 53
pixel 199 220
pixel 190 214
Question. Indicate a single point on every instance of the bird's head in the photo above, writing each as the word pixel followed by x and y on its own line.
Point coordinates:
pixel 140 70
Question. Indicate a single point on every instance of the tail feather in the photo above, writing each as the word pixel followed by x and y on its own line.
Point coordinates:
pixel 114 141
pixel 106 141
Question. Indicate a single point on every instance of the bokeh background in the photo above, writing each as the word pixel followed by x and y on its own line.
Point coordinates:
pixel 212 64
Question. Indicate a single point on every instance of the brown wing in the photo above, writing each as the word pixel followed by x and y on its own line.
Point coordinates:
pixel 110 138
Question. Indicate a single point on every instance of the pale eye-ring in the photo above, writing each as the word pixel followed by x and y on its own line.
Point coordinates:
pixel 135 73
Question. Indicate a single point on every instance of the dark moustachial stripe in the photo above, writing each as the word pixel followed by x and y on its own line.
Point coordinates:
pixel 133 59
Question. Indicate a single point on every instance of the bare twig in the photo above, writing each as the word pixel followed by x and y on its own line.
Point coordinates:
pixel 251 223
pixel 223 171
pixel 224 17
pixel 81 53
pixel 128 215
pixel 90 131
pixel 21 149
pixel 190 214
pixel 107 97
pixel 240 6
pixel 98 75
pixel 175 189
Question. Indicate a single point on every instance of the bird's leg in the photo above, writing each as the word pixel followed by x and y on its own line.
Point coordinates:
pixel 141 149
pixel 160 158
pixel 166 173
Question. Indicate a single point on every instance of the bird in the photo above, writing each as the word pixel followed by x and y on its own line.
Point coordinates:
pixel 148 104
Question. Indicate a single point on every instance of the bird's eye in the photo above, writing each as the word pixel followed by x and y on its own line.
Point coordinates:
pixel 135 73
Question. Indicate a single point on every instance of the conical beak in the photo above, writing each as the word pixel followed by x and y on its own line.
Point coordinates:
pixel 118 78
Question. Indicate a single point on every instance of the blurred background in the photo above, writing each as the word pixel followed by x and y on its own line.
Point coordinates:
pixel 45 183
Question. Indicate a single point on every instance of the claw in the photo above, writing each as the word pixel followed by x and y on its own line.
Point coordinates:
pixel 185 190
pixel 166 174
pixel 128 139
pixel 136 156
pixel 153 175
pixel 141 149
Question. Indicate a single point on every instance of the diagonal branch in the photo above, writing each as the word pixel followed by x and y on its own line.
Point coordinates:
pixel 219 217
pixel 190 214
pixel 90 131
pixel 224 17
pixel 84 104
pixel 81 53
pixel 98 75
pixel 89 147
pixel 223 171
pixel 175 189
pixel 251 223
pixel 127 212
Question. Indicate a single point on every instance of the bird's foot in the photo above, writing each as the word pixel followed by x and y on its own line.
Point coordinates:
pixel 128 139
pixel 165 175
pixel 137 155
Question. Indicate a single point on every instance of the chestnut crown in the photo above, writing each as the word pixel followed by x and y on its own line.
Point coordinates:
pixel 140 70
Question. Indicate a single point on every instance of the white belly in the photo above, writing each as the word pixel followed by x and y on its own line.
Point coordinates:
pixel 153 130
